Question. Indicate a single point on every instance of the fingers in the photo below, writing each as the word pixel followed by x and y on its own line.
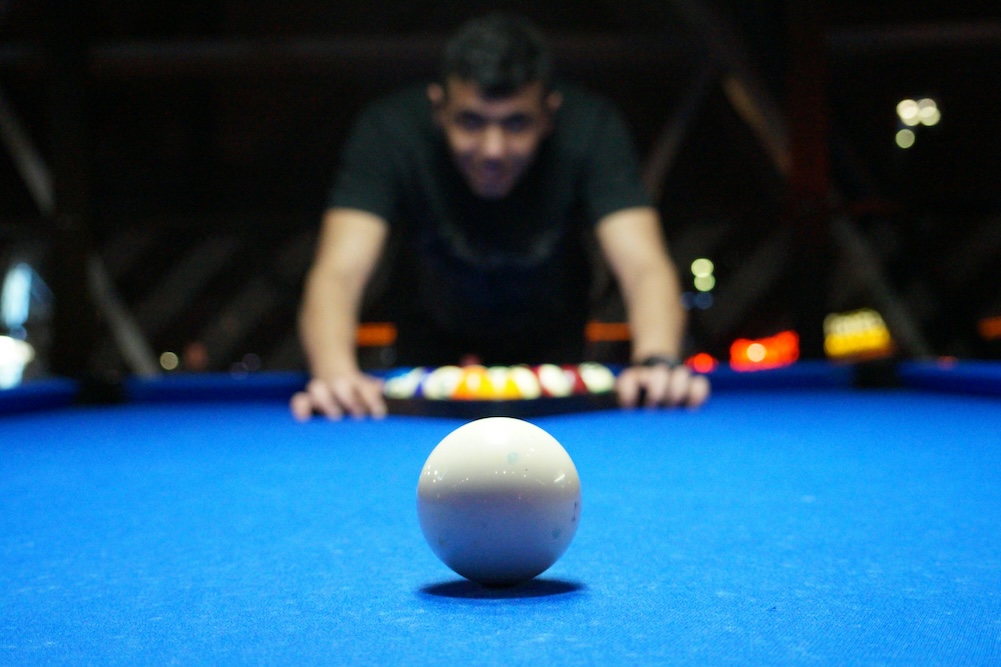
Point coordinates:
pixel 361 395
pixel 698 392
pixel 678 383
pixel 661 385
pixel 301 406
pixel 370 399
pixel 630 386
pixel 356 395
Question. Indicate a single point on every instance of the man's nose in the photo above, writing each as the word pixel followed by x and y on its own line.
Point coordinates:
pixel 494 143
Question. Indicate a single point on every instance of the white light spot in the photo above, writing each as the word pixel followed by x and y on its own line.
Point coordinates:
pixel 705 283
pixel 702 267
pixel 168 361
pixel 15 297
pixel 907 110
pixel 905 138
pixel 928 112
pixel 15 354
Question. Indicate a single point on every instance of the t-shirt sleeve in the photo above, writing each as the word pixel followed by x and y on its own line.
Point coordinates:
pixel 611 180
pixel 366 177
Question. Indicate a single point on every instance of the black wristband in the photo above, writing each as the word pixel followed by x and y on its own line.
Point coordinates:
pixel 660 360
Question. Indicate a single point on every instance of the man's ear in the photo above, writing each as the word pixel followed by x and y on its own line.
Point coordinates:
pixel 436 95
pixel 553 102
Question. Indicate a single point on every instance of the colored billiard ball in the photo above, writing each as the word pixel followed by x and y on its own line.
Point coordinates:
pixel 499 500
pixel 503 385
pixel 473 384
pixel 576 382
pixel 441 382
pixel 553 380
pixel 526 382
pixel 406 384
pixel 598 377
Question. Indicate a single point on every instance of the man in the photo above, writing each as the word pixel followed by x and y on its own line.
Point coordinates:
pixel 492 177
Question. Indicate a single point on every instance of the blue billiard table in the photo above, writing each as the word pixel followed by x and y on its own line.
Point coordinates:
pixel 797 518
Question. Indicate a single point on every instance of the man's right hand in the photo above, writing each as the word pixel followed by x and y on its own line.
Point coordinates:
pixel 355 395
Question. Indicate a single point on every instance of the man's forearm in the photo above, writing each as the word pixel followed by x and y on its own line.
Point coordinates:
pixel 656 316
pixel 327 326
pixel 349 246
pixel 633 244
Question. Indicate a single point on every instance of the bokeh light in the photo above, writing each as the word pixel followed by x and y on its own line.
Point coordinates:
pixel 705 283
pixel 756 352
pixel 703 362
pixel 169 361
pixel 15 354
pixel 913 113
pixel 905 138
pixel 928 112
pixel 907 111
pixel 702 267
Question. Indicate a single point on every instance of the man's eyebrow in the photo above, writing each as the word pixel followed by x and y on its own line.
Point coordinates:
pixel 515 116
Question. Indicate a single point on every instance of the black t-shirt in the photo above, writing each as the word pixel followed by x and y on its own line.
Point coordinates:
pixel 500 278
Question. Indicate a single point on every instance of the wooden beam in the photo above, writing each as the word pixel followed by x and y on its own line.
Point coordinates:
pixel 870 41
pixel 808 183
pixel 236 55
pixel 74 318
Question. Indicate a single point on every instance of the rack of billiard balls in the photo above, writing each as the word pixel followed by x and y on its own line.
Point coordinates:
pixel 500 383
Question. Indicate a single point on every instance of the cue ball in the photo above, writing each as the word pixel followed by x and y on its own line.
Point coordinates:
pixel 499 500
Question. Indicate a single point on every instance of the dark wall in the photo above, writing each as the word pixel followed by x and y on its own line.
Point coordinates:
pixel 223 119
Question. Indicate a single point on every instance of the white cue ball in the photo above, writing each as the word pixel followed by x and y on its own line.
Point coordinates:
pixel 499 500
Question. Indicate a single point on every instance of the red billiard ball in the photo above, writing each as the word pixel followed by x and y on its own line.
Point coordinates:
pixel 553 380
pixel 577 384
pixel 598 377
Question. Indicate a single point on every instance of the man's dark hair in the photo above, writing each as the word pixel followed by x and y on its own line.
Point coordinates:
pixel 500 53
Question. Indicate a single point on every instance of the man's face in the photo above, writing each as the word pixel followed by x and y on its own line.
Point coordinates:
pixel 493 141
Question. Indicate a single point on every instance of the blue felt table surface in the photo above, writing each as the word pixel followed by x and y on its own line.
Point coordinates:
pixel 808 527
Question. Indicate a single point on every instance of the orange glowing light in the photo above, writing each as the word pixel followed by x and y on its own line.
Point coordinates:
pixel 776 351
pixel 990 328
pixel 376 334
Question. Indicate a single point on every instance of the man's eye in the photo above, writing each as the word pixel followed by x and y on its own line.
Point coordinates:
pixel 469 122
pixel 517 123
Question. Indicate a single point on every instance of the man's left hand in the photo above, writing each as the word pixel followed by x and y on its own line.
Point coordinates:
pixel 661 385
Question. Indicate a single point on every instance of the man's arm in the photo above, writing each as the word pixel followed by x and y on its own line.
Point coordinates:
pixel 634 246
pixel 350 244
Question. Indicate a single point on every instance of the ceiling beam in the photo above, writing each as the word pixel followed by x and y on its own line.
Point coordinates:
pixel 204 57
pixel 867 41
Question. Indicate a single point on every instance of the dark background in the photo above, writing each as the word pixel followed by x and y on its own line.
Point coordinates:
pixel 191 145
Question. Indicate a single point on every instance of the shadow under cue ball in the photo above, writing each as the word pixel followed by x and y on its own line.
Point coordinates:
pixel 499 500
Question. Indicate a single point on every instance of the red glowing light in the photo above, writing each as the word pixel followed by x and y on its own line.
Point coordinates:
pixel 703 362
